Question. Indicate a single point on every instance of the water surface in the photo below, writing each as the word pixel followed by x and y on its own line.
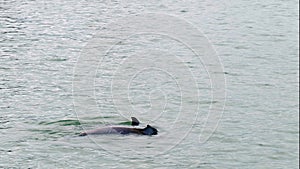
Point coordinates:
pixel 41 42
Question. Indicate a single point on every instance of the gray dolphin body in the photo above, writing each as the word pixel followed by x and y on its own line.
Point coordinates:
pixel 148 130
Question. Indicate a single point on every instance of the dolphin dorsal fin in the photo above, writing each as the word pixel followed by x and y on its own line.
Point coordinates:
pixel 134 121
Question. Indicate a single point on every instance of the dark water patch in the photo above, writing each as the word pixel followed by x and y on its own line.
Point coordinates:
pixel 44 131
pixel 2 122
pixel 264 84
pixel 49 134
pixel 62 123
pixel 264 145
pixel 128 123
pixel 58 59
pixel 99 117
pixel 208 102
pixel 106 117
pixel 261 84
pixel 3 150
pixel 232 74
pixel 4 68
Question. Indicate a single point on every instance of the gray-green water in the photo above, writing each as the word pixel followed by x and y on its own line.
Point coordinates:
pixel 42 42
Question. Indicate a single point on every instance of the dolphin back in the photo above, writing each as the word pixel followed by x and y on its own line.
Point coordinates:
pixel 105 130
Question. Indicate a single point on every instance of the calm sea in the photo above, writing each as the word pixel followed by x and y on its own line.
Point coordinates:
pixel 68 66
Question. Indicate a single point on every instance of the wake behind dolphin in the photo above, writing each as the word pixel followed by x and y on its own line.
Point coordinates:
pixel 148 130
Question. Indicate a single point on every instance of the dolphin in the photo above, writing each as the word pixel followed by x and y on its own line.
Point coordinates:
pixel 134 121
pixel 148 130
